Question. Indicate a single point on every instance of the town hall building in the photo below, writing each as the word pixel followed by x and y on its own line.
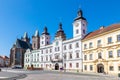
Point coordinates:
pixel 62 53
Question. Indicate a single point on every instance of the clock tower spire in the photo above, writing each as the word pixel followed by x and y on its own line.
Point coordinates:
pixel 79 25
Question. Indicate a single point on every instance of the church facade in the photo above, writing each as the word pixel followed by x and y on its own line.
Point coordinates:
pixel 18 50
pixel 62 53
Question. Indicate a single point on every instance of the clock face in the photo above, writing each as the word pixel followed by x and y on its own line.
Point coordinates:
pixel 76 24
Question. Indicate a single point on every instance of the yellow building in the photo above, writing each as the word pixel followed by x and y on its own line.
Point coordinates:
pixel 101 50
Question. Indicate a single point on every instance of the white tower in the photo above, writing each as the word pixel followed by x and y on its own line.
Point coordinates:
pixel 79 25
pixel 45 38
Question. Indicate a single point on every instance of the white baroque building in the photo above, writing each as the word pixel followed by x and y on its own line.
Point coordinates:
pixel 61 53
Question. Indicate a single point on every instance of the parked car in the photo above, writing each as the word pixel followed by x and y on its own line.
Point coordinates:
pixel 17 67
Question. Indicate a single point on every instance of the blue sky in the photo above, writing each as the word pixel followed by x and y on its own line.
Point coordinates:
pixel 19 16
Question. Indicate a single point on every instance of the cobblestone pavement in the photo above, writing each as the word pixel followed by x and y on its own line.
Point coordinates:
pixel 11 76
pixel 21 74
pixel 62 76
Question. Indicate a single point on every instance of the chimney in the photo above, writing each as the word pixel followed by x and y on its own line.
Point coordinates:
pixel 102 27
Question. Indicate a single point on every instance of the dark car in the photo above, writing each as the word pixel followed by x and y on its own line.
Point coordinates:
pixel 17 67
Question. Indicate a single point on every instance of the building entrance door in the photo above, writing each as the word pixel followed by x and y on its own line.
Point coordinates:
pixel 56 66
pixel 100 68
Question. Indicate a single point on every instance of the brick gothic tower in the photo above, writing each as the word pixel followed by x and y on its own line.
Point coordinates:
pixel 36 40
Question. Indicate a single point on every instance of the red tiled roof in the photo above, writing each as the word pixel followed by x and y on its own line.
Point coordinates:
pixel 5 57
pixel 100 31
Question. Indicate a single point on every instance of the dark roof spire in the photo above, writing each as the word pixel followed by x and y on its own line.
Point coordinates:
pixel 60 32
pixel 79 15
pixel 45 31
pixel 60 27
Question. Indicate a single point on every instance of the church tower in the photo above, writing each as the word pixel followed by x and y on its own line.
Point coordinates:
pixel 45 38
pixel 79 25
pixel 60 33
pixel 36 40
pixel 25 38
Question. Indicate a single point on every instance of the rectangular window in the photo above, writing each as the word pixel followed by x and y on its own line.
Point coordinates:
pixel 83 31
pixel 64 47
pixel 85 57
pixel 41 51
pixel 77 45
pixel 50 50
pixel 118 37
pixel 99 55
pixel 85 67
pixel 42 42
pixel 37 59
pixel 111 68
pixel 77 55
pixel 70 65
pixel 118 68
pixel 58 49
pixel 46 58
pixel 41 66
pixel 85 46
pixel 41 58
pixel 110 54
pixel 90 45
pixel 65 65
pixel 50 65
pixel 90 56
pixel 99 43
pixel 91 67
pixel 77 65
pixel 37 65
pixel 109 40
pixel 70 46
pixel 70 56
pixel 77 31
pixel 55 49
pixel 38 55
pixel 50 57
pixel 65 56
pixel 118 53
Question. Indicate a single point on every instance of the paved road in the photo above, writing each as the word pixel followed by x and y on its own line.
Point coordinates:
pixel 55 75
